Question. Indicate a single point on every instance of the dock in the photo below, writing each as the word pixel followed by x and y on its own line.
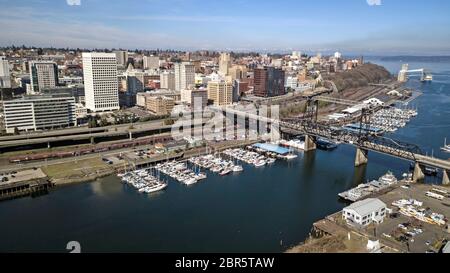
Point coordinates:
pixel 24 183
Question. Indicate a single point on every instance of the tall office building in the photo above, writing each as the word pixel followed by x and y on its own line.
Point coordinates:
pixel 122 58
pixel 224 63
pixel 184 75
pixel 39 112
pixel 238 72
pixel 269 82
pixel 43 74
pixel 100 81
pixel 5 76
pixel 168 80
pixel 151 62
pixel 220 92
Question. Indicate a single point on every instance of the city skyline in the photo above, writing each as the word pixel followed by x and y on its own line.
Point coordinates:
pixel 353 27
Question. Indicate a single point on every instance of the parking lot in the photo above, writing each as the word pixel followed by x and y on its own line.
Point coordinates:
pixel 409 233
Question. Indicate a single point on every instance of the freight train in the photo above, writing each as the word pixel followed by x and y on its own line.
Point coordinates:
pixel 91 150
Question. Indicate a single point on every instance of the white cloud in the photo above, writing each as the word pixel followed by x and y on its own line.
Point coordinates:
pixel 73 2
pixel 374 2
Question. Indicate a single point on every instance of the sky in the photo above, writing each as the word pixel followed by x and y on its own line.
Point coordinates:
pixel 389 27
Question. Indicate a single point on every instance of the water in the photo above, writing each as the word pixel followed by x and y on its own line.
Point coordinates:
pixel 250 212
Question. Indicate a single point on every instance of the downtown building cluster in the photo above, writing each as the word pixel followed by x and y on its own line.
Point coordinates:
pixel 73 85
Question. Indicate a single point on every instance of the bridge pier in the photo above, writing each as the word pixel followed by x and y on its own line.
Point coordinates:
pixel 418 175
pixel 310 144
pixel 92 140
pixel 362 157
pixel 445 179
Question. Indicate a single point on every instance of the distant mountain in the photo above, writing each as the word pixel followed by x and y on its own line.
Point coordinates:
pixel 433 59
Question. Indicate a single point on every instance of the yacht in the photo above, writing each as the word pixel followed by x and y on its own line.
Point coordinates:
pixel 260 163
pixel 190 181
pixel 156 187
pixel 446 147
pixel 388 178
pixel 238 168
pixel 291 156
pixel 225 171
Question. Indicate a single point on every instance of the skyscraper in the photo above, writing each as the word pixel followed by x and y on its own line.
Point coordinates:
pixel 269 82
pixel 224 63
pixel 151 62
pixel 168 80
pixel 184 75
pixel 122 58
pixel 100 81
pixel 5 77
pixel 221 92
pixel 43 74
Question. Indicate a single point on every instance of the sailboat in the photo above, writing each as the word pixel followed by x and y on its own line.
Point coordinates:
pixel 446 147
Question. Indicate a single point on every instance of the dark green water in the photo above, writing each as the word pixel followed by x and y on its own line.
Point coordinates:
pixel 250 212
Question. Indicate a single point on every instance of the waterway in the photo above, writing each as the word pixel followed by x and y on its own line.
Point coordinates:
pixel 260 210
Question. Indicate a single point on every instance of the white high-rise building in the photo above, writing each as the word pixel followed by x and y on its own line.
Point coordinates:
pixel 337 55
pixel 43 74
pixel 167 80
pixel 5 76
pixel 100 81
pixel 184 75
pixel 151 62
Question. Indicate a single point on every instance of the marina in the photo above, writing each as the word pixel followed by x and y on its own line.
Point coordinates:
pixel 391 119
pixel 144 181
pixel 180 172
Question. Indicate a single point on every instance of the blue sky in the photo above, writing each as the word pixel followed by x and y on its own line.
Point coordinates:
pixel 352 26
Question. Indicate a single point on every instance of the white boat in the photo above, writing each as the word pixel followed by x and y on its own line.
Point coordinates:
pixel 190 181
pixel 446 147
pixel 225 171
pixel 388 178
pixel 156 187
pixel 260 163
pixel 271 160
pixel 291 156
pixel 237 168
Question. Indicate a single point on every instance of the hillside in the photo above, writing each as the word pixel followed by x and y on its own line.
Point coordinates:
pixel 360 76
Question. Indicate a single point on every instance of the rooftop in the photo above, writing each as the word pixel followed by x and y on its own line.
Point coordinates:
pixel 366 206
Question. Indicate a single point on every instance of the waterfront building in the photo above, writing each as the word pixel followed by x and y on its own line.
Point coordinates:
pixel 184 75
pixel 38 112
pixel 269 82
pixel 224 63
pixel 160 105
pixel 151 62
pixel 365 212
pixel 168 80
pixel 220 92
pixel 5 76
pixel 100 81
pixel 43 74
